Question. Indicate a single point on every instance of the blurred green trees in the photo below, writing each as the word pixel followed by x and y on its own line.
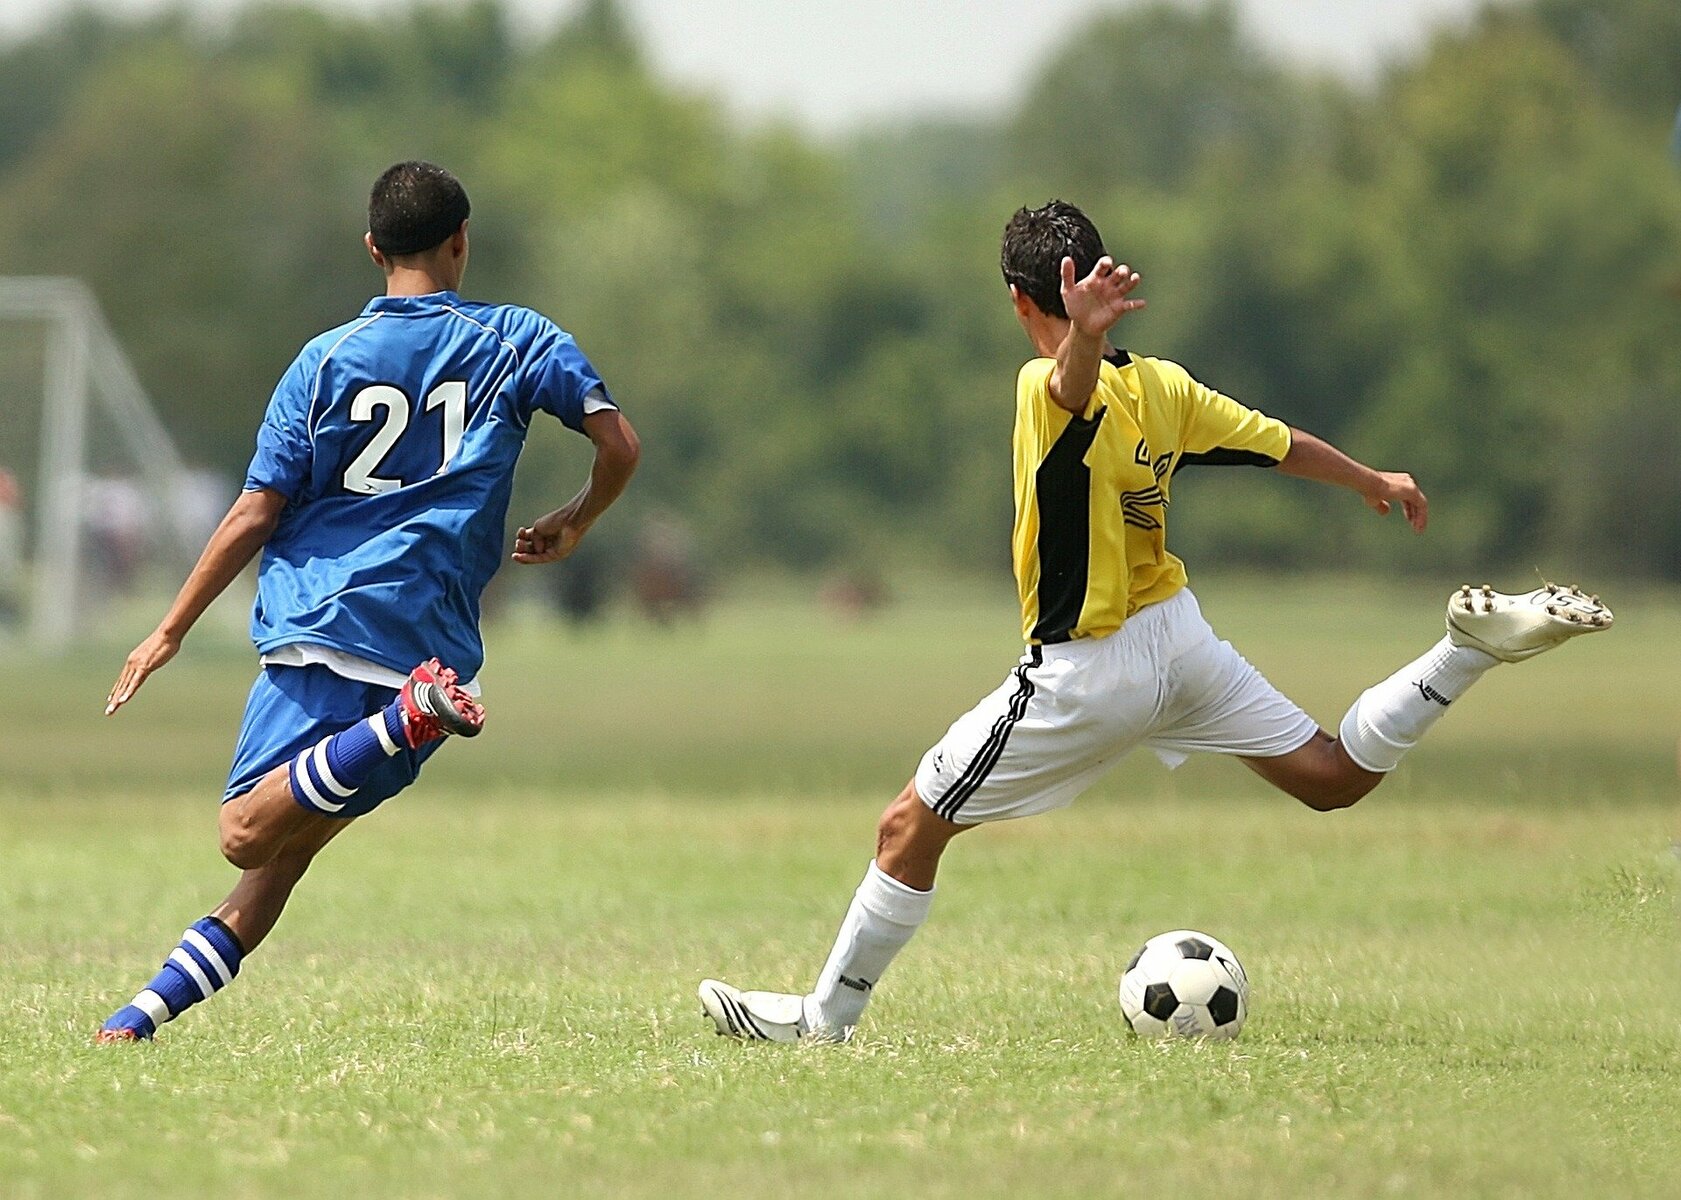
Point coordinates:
pixel 1469 269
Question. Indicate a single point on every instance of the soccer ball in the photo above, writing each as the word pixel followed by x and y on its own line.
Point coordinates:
pixel 1185 984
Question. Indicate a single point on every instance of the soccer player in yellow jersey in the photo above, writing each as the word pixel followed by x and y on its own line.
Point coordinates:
pixel 1118 654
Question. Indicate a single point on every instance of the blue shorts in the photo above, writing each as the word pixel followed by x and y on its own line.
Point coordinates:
pixel 293 708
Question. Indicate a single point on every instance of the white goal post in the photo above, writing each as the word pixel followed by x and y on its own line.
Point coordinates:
pixel 85 367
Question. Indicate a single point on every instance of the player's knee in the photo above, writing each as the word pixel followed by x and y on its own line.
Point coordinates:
pixel 1328 801
pixel 243 850
pixel 241 845
pixel 1331 795
pixel 905 822
pixel 895 825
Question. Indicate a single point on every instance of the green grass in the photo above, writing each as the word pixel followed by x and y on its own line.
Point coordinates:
pixel 1466 986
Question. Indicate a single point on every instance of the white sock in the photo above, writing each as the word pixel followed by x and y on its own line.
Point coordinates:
pixel 883 916
pixel 1389 718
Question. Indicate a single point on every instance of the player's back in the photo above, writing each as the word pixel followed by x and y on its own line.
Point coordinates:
pixel 395 437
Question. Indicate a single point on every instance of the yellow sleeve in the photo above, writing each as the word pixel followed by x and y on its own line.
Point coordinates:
pixel 1216 429
pixel 1033 396
pixel 1039 419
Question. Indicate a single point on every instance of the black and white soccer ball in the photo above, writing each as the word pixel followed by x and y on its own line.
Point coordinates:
pixel 1185 984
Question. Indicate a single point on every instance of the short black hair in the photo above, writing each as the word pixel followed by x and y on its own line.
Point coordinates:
pixel 1037 240
pixel 415 206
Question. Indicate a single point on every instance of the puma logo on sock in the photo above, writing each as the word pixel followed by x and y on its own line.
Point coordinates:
pixel 1430 693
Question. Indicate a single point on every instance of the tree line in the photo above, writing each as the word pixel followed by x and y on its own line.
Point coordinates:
pixel 1469 268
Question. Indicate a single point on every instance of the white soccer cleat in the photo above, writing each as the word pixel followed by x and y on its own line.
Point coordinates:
pixel 759 1016
pixel 1513 628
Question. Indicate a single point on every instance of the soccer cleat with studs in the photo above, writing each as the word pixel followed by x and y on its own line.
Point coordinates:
pixel 761 1016
pixel 1513 628
pixel 113 1037
pixel 434 706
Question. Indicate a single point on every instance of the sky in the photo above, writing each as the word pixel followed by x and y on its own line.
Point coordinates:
pixel 839 66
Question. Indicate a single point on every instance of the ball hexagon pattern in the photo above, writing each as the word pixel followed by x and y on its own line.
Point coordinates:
pixel 1185 984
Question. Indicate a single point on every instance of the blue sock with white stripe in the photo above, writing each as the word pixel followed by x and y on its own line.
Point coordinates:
pixel 203 964
pixel 326 775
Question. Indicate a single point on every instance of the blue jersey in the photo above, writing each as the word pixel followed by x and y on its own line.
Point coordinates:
pixel 393 439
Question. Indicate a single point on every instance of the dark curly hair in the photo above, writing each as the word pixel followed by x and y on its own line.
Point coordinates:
pixel 1037 240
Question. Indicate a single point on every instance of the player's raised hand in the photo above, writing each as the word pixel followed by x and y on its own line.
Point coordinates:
pixel 1096 302
pixel 549 538
pixel 1397 487
pixel 145 658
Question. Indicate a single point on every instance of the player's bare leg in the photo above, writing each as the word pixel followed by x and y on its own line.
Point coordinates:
pixel 258 825
pixel 257 900
pixel 1320 774
pixel 887 909
pixel 910 839
pixel 1484 628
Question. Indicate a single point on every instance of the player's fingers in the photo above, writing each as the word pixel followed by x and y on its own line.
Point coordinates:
pixel 127 685
pixel 534 556
pixel 1104 268
pixel 1067 272
pixel 1418 512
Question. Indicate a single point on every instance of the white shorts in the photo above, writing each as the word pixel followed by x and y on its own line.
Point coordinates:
pixel 1069 711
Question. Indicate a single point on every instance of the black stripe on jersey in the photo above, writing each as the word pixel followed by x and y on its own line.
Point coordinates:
pixel 993 748
pixel 1222 457
pixel 1062 486
pixel 1136 507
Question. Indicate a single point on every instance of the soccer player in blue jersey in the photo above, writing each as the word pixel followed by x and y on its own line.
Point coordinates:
pixel 377 496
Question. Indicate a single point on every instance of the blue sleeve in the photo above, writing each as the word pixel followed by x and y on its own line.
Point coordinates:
pixel 285 453
pixel 561 378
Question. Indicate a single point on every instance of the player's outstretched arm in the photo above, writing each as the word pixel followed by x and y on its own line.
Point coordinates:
pixel 1094 304
pixel 244 531
pixel 552 537
pixel 1314 458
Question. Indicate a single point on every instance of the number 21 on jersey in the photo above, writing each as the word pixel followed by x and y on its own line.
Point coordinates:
pixel 361 476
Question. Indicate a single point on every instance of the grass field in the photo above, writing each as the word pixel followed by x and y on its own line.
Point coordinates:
pixel 1469 985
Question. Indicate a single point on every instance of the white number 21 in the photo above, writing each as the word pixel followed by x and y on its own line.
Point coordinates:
pixel 359 477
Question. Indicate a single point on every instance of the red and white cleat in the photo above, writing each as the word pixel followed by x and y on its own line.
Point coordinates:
pixel 434 706
pixel 112 1037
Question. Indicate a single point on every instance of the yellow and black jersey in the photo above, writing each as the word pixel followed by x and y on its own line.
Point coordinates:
pixel 1090 544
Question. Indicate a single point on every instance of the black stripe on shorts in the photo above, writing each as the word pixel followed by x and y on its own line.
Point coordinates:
pixel 993 748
